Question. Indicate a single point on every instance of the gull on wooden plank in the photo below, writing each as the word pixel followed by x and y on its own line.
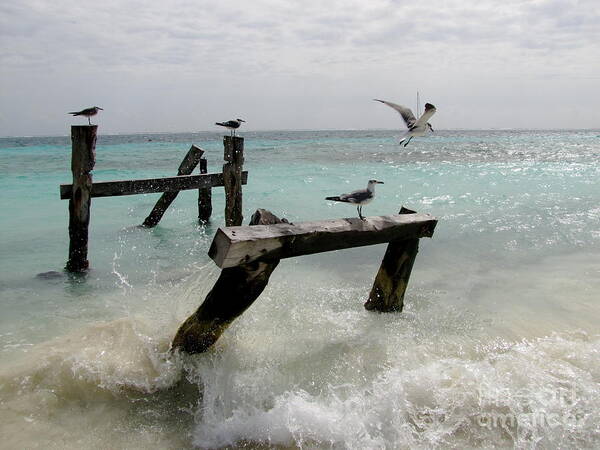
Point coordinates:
pixel 359 198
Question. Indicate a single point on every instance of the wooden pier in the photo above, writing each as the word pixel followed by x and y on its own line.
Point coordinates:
pixel 83 189
pixel 248 255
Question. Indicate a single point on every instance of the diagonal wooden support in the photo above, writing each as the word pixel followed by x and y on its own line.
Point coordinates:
pixel 235 290
pixel 387 293
pixel 190 161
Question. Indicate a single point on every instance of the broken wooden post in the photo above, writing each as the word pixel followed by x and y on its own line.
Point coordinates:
pixel 387 293
pixel 232 176
pixel 235 290
pixel 248 255
pixel 190 161
pixel 83 158
pixel 204 196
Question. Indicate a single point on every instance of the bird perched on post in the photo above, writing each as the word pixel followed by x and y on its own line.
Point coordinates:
pixel 359 198
pixel 231 125
pixel 88 112
pixel 416 127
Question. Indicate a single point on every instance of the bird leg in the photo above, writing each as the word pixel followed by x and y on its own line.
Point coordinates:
pixel 89 121
pixel 359 209
pixel 408 141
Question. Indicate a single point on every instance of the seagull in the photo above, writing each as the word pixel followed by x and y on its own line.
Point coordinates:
pixel 88 112
pixel 415 127
pixel 360 197
pixel 231 125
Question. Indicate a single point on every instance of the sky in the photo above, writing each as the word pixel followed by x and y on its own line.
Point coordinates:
pixel 181 65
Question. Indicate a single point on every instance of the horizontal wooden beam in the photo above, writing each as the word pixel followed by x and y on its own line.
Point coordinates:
pixel 151 185
pixel 233 246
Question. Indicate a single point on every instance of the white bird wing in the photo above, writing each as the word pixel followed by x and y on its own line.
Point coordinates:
pixel 425 117
pixel 406 113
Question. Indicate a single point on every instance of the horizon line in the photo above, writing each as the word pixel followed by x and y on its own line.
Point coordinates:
pixel 134 133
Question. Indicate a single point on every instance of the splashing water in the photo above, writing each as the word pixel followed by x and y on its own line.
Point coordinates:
pixel 497 345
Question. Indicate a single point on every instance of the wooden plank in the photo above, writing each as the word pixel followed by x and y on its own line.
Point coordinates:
pixel 83 158
pixel 232 176
pixel 232 246
pixel 151 185
pixel 187 166
pixel 204 197
pixel 234 291
pixel 387 293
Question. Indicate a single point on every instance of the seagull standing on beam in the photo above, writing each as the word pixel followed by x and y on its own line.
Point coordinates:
pixel 415 127
pixel 88 112
pixel 360 197
pixel 231 125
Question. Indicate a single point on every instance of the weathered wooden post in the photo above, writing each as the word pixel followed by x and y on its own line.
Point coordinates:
pixel 83 158
pixel 387 293
pixel 232 176
pixel 235 290
pixel 190 161
pixel 248 255
pixel 204 196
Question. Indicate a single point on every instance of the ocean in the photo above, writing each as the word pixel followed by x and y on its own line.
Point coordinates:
pixel 498 345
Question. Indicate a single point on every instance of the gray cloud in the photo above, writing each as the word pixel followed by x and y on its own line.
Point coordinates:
pixel 297 65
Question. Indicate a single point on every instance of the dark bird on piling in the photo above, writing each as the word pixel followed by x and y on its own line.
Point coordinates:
pixel 360 197
pixel 88 112
pixel 231 125
pixel 416 127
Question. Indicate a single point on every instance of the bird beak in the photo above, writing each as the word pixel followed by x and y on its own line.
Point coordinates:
pixel 100 108
pixel 380 182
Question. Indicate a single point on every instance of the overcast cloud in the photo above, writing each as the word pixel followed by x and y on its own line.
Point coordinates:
pixel 181 65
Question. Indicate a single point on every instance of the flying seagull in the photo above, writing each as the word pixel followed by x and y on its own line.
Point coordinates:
pixel 231 125
pixel 415 127
pixel 88 112
pixel 360 197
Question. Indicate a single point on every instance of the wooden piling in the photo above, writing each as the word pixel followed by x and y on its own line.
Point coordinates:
pixel 204 196
pixel 232 176
pixel 83 158
pixel 190 161
pixel 387 293
pixel 234 291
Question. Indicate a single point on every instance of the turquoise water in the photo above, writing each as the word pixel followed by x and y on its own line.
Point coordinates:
pixel 497 346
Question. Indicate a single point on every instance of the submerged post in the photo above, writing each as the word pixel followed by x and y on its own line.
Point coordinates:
pixel 204 196
pixel 232 176
pixel 190 161
pixel 83 158
pixel 387 293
